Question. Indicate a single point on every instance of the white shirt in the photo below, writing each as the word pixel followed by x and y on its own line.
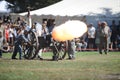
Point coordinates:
pixel 38 29
pixel 11 32
pixel 91 32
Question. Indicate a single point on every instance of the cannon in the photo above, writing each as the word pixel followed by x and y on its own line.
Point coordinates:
pixel 59 48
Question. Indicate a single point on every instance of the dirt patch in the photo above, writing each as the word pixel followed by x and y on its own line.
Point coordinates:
pixel 111 77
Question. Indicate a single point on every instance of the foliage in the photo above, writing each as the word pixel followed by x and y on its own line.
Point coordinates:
pixel 21 5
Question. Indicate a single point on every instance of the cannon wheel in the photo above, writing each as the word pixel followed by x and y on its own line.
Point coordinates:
pixel 60 50
pixel 29 50
pixel 63 51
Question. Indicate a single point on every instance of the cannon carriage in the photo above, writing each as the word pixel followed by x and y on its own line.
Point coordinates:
pixel 37 42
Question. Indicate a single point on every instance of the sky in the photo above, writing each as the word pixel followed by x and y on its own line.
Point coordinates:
pixel 3 6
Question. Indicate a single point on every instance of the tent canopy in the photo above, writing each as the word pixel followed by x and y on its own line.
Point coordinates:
pixel 79 7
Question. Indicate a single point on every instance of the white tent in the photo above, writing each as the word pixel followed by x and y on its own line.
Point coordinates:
pixel 80 7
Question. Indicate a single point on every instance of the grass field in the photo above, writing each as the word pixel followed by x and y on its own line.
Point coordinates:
pixel 86 66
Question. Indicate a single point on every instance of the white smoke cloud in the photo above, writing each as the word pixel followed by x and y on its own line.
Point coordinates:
pixel 69 30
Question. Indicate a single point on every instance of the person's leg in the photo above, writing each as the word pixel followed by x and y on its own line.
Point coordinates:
pixel 0 53
pixel 71 50
pixel 14 52
pixel 90 44
pixel 20 52
pixel 100 48
pixel 55 53
pixel 11 44
pixel 84 46
pixel 69 54
pixel 106 46
pixel 100 45
pixel 40 54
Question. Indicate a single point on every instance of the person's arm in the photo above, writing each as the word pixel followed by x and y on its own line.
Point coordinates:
pixel 26 40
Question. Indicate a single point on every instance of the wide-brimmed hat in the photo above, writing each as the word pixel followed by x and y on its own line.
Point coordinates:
pixel 104 23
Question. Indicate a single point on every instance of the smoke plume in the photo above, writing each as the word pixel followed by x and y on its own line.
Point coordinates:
pixel 69 30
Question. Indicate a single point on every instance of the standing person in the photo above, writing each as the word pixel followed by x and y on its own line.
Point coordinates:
pixel 42 44
pixel 1 44
pixel 7 32
pixel 45 30
pixel 97 35
pixel 113 35
pixel 2 28
pixel 1 36
pixel 18 44
pixel 118 28
pixel 51 25
pixel 104 38
pixel 91 36
pixel 118 35
pixel 71 49
pixel 11 37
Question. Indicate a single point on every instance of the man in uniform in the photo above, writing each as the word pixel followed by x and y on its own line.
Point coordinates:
pixel 18 44
pixel 104 37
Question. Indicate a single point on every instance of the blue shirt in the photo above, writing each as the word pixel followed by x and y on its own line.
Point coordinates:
pixel 19 39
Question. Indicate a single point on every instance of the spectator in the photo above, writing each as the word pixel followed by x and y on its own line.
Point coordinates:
pixel 118 28
pixel 51 25
pixel 11 37
pixel 97 35
pixel 43 40
pixel 113 35
pixel 2 28
pixel 6 32
pixel 118 35
pixel 104 38
pixel 45 30
pixel 81 44
pixel 91 36
pixel 1 44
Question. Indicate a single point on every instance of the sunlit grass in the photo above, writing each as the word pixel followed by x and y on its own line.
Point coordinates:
pixel 86 66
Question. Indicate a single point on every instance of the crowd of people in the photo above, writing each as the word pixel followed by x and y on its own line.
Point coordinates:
pixel 101 37
pixel 15 32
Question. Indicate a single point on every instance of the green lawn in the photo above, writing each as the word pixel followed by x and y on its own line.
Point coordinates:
pixel 86 66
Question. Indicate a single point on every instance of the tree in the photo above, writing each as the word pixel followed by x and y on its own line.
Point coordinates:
pixel 21 5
